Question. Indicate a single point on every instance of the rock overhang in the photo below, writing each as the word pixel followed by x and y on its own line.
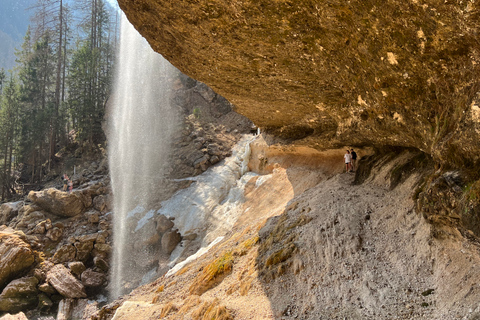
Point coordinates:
pixel 333 73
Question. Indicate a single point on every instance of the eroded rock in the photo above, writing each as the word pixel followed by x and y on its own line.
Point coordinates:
pixel 18 295
pixel 63 204
pixel 65 283
pixel 16 256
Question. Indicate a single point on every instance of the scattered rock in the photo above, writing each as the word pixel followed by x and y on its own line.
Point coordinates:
pixel 65 253
pixel 163 223
pixel 170 240
pixel 92 279
pixel 54 234
pixel 18 295
pixel 47 288
pixel 61 203
pixel 16 256
pixel 77 268
pixel 8 211
pixel 101 264
pixel 65 283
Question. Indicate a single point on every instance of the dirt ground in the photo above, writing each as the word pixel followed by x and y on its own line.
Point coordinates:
pixel 311 245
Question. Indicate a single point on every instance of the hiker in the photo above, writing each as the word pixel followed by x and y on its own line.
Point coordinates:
pixel 65 182
pixel 348 159
pixel 70 185
pixel 354 159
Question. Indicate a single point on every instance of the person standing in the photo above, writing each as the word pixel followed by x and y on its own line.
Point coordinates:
pixel 348 159
pixel 65 182
pixel 354 160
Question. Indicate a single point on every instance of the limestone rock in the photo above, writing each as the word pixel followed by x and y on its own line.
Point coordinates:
pixel 18 295
pixel 16 256
pixel 170 240
pixel 18 316
pixel 65 283
pixel 61 203
pixel 92 279
pixel 8 211
pixel 324 72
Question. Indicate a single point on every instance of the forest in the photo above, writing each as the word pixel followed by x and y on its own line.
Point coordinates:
pixel 55 96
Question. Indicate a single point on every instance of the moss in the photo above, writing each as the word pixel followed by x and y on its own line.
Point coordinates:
pixel 213 273
pixel 280 255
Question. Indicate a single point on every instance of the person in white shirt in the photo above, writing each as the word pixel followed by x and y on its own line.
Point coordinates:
pixel 348 160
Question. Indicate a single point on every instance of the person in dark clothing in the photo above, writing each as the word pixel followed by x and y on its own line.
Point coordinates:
pixel 354 159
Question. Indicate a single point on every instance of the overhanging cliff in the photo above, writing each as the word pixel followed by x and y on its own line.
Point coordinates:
pixel 333 73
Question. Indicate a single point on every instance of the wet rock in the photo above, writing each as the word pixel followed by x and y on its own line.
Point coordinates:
pixel 170 240
pixel 65 253
pixel 65 283
pixel 61 203
pixel 16 256
pixel 163 223
pixel 190 236
pixel 92 279
pixel 18 316
pixel 77 268
pixel 18 295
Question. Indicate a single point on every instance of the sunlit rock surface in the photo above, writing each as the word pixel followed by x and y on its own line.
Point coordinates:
pixel 329 73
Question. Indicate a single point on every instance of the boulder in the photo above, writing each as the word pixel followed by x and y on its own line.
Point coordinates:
pixel 83 250
pixel 54 234
pixel 100 203
pixel 92 279
pixel 66 253
pixel 63 204
pixel 65 283
pixel 170 240
pixel 18 295
pixel 16 256
pixel 77 268
pixel 101 264
pixel 8 211
pixel 163 223
pixel 18 316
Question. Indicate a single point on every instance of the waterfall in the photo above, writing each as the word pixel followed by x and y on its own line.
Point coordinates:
pixel 141 123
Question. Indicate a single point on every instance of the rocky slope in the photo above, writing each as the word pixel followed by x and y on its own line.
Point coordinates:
pixel 312 244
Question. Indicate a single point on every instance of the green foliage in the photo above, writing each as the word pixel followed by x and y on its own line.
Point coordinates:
pixel 55 88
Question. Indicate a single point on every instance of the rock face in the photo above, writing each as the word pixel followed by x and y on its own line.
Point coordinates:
pixel 16 255
pixel 330 73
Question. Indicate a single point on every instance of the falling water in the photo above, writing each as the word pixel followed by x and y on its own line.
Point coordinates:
pixel 140 127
